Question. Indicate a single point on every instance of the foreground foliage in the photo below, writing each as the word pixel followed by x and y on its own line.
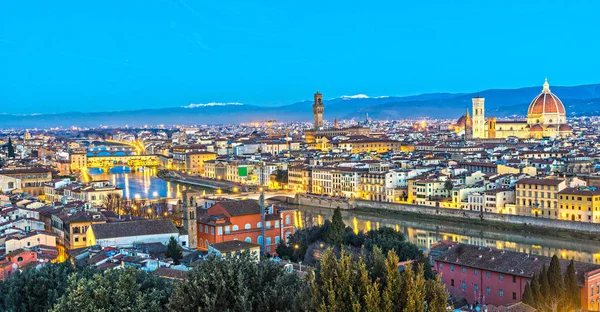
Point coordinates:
pixel 549 290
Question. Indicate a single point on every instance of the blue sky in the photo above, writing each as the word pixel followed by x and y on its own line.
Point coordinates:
pixel 58 56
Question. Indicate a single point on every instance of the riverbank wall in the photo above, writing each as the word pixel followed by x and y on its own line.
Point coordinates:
pixel 200 181
pixel 325 202
pixel 486 216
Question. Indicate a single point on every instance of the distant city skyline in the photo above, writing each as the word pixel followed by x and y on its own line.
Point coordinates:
pixel 76 56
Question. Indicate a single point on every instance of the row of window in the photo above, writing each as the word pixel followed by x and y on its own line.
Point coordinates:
pixel 488 289
pixel 247 226
pixel 476 272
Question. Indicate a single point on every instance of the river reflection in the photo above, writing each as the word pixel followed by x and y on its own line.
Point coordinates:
pixel 424 233
pixel 138 184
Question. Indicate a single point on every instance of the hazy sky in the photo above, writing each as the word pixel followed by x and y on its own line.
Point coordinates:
pixel 58 56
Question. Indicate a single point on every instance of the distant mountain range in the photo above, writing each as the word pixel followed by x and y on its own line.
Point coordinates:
pixel 578 100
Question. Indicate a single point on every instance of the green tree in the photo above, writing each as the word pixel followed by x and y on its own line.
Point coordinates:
pixel 11 149
pixel 237 284
pixel 544 285
pixel 448 186
pixel 415 284
pixel 173 251
pixel 572 286
pixel 115 290
pixel 555 278
pixel 528 297
pixel 35 289
pixel 393 298
pixel 437 295
pixel 377 264
pixel 335 232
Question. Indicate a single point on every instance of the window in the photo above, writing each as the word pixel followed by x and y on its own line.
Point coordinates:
pixel 19 259
pixel 259 225
pixel 476 288
pixel 476 272
pixel 501 277
pixel 235 228
pixel 268 241
pixel 277 224
pixel 277 240
pixel 514 278
pixel 220 230
pixel 247 226
pixel 464 270
pixel 487 274
pixel 206 243
pixel 464 286
pixel 488 290
pixel 212 230
pixel 501 293
pixel 441 265
pixel 514 296
pixel 248 240
pixel 76 239
pixel 206 229
pixel 287 219
pixel 452 282
pixel 268 224
pixel 259 240
pixel 452 267
pixel 227 229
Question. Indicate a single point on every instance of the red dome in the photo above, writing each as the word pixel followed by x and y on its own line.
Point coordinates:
pixel 536 128
pixel 461 121
pixel 565 127
pixel 546 102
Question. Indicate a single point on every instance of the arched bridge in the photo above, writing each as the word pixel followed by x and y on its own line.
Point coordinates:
pixel 133 161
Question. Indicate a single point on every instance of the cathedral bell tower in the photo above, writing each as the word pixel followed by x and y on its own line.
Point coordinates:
pixel 478 117
pixel 318 109
pixel 190 224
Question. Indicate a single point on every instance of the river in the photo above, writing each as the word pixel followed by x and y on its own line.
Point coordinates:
pixel 423 233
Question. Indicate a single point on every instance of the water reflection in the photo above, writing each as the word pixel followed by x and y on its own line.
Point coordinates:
pixel 424 233
pixel 138 184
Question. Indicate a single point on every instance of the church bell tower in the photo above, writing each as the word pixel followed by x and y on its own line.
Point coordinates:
pixel 190 224
pixel 318 109
pixel 478 117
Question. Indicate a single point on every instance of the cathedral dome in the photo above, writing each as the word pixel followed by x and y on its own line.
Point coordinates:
pixel 536 128
pixel 564 128
pixel 463 120
pixel 546 103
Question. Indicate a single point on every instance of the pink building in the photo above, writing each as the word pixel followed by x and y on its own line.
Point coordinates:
pixel 14 261
pixel 498 277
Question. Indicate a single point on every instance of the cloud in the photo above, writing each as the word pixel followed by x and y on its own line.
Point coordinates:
pixel 356 96
pixel 213 104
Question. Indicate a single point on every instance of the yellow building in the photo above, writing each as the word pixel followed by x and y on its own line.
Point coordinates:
pixel 581 205
pixel 32 179
pixel 379 145
pixel 538 197
pixel 78 161
pixel 194 161
pixel 299 178
pixel 546 117
pixel 71 227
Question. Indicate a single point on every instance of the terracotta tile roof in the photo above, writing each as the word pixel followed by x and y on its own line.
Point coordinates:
pixel 134 228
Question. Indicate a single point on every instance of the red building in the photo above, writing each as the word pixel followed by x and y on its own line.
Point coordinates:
pixel 14 261
pixel 241 220
pixel 498 277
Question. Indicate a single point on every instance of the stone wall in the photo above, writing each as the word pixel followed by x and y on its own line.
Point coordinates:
pixel 465 214
pixel 325 202
pixel 200 181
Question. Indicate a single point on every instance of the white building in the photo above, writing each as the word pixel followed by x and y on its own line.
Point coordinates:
pixel 129 233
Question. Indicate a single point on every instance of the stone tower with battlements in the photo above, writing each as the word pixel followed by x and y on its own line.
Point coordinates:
pixel 318 109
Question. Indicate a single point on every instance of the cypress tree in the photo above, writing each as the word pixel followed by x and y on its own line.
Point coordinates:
pixel 572 286
pixel 544 286
pixel 335 232
pixel 528 296
pixel 536 290
pixel 555 278
pixel 11 149
pixel 173 251
pixel 393 299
